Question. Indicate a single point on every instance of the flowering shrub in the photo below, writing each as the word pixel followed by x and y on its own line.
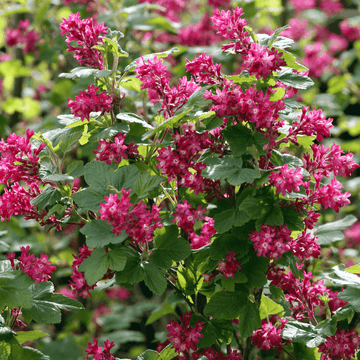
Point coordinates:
pixel 210 185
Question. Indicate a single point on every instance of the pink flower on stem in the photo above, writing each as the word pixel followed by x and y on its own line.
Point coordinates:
pixel 342 345
pixel 115 151
pixel 39 269
pixel 317 59
pixel 88 101
pixel 286 180
pixel 207 231
pixel 301 5
pixel 331 7
pixel 305 246
pixel 271 241
pixel 299 29
pixel 184 337
pixel 98 352
pixel 86 34
pixel 138 222
pixel 268 336
pixel 350 29
pixel 118 293
pixel 261 61
pixel 185 216
pixel 229 266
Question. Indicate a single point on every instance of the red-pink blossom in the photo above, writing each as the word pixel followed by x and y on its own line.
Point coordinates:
pixel 301 5
pixel 317 59
pixel 98 352
pixel 185 216
pixel 116 150
pixel 298 31
pixel 271 241
pixel 350 29
pixel 88 101
pixel 118 293
pixel 137 221
pixel 331 7
pixel 305 246
pixel 229 266
pixel 39 269
pixel 87 34
pixel 268 336
pixel 286 179
pixel 341 346
pixel 207 231
pixel 184 337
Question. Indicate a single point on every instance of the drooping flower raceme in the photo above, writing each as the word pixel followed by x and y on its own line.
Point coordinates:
pixel 184 337
pixel 39 269
pixel 86 34
pixel 341 346
pixel 286 179
pixel 89 101
pixel 229 266
pixel 137 221
pixel 98 352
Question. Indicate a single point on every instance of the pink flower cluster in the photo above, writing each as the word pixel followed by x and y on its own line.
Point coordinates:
pixel 39 269
pixel 351 31
pixel 22 36
pixel 185 216
pixel 305 246
pixel 261 61
pixel 176 163
pixel 229 266
pixel 199 34
pixel 115 151
pixel 231 26
pixel 78 283
pixel 286 179
pixel 341 346
pixel 271 241
pixel 299 29
pixel 154 77
pixel 18 162
pixel 172 7
pixel 312 123
pixel 302 294
pixel 88 101
pixel 317 59
pixel 98 352
pixel 86 34
pixel 118 293
pixel 184 337
pixel 138 222
pixel 268 336
pixel 206 233
pixel 352 235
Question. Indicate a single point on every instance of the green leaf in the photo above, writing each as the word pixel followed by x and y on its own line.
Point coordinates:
pixel 292 219
pixel 292 62
pixel 269 307
pixel 154 278
pixel 289 78
pixel 240 138
pixel 5 350
pixel 23 336
pixel 95 266
pixel 99 234
pixel 131 83
pixel 133 118
pixel 6 333
pixel 90 198
pixel 278 94
pixel 149 355
pixel 133 271
pixel 110 131
pixel 46 305
pixel 249 319
pixel 299 332
pixel 354 269
pixel 230 169
pixel 256 208
pixel 14 292
pixel 332 232
pixel 279 159
pixel 274 217
pixel 62 349
pixel 18 352
pixel 327 327
pixel 226 305
pixel 167 124
pixel 169 247
pixel 162 310
pixel 85 72
pixel 134 63
pixel 276 33
pixel 243 78
pixel 49 196
pixel 224 221
pixel 76 168
pixel 116 259
pixel 352 296
pixel 146 183
pixel 168 353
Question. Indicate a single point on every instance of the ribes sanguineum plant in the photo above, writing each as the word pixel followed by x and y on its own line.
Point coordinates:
pixel 199 191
